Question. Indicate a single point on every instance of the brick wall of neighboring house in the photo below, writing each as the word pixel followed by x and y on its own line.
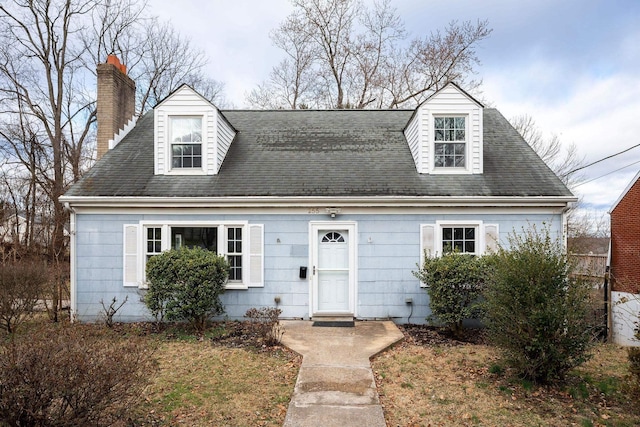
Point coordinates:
pixel 625 242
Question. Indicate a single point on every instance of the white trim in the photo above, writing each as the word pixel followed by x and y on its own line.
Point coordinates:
pixel 311 211
pixel 309 201
pixel 626 190
pixel 442 170
pixel 119 136
pixel 221 244
pixel 183 87
pixel 429 249
pixel 138 255
pixel 495 239
pixel 204 143
pixel 206 223
pixel 352 228
pixel 255 253
pixel 480 243
pixel 73 280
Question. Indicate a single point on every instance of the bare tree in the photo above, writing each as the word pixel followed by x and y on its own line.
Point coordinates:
pixel 561 159
pixel 48 54
pixel 291 83
pixel 585 223
pixel 49 50
pixel 163 62
pixel 341 54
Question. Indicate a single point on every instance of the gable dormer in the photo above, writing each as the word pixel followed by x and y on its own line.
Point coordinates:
pixel 445 133
pixel 191 137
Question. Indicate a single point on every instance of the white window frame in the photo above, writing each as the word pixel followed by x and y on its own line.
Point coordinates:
pixel 479 240
pixel 467 143
pixel 487 238
pixel 222 243
pixel 169 142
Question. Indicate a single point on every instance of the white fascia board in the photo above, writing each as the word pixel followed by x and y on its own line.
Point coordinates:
pixel 624 193
pixel 321 201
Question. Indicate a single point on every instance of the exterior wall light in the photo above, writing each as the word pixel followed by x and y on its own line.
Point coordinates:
pixel 333 212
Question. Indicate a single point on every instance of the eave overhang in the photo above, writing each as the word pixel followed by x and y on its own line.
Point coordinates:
pixel 318 201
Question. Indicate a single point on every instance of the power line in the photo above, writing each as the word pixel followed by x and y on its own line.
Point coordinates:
pixel 609 173
pixel 601 160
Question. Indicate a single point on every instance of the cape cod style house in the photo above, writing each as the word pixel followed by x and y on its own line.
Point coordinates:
pixel 318 212
pixel 624 264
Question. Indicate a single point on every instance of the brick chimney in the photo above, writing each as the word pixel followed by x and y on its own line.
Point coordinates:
pixel 116 101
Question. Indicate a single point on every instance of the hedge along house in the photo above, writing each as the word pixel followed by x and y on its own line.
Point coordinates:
pixel 625 264
pixel 324 213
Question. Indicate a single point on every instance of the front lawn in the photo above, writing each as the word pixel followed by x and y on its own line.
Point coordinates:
pixel 228 377
pixel 224 378
pixel 440 382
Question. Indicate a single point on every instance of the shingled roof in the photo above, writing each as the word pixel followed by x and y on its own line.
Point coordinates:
pixel 341 153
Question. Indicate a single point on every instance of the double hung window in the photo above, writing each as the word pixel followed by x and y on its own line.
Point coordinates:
pixel 223 239
pixel 450 142
pixel 459 239
pixel 186 142
pixel 154 242
pixel 241 243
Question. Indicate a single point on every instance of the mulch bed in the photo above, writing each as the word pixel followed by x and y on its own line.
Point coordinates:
pixel 245 334
pixel 426 335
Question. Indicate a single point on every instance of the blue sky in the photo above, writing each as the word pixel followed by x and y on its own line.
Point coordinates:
pixel 573 65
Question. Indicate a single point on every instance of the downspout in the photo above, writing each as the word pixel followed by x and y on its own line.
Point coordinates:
pixel 565 225
pixel 72 261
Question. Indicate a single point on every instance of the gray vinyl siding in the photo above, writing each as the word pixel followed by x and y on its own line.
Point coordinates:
pixel 388 253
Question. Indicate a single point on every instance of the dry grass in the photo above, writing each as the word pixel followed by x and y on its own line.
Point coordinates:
pixel 202 385
pixel 225 377
pixel 228 378
pixel 465 385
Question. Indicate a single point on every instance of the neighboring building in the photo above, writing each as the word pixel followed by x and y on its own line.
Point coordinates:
pixel 625 263
pixel 327 212
pixel 15 230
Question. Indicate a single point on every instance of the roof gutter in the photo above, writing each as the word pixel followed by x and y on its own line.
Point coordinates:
pixel 313 201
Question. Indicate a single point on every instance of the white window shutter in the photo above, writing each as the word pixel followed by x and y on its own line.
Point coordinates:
pixel 491 238
pixel 130 260
pixel 256 255
pixel 427 241
pixel 427 244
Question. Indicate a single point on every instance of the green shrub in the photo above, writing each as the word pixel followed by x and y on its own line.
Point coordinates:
pixel 71 375
pixel 534 311
pixel 185 285
pixel 454 283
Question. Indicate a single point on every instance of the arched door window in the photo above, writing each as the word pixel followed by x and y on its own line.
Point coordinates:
pixel 333 237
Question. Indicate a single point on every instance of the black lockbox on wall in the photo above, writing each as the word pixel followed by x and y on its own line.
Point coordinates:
pixel 303 272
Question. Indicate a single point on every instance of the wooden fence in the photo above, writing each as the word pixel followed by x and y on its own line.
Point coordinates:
pixel 590 266
pixel 594 269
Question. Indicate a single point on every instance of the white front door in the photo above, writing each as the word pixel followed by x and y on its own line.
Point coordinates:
pixel 333 272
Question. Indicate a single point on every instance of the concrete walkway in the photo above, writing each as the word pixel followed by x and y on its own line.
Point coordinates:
pixel 335 384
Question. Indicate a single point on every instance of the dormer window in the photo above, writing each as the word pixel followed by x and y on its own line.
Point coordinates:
pixel 191 137
pixel 450 142
pixel 445 135
pixel 186 142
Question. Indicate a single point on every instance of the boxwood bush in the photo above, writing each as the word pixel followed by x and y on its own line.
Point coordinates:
pixel 185 285
pixel 454 283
